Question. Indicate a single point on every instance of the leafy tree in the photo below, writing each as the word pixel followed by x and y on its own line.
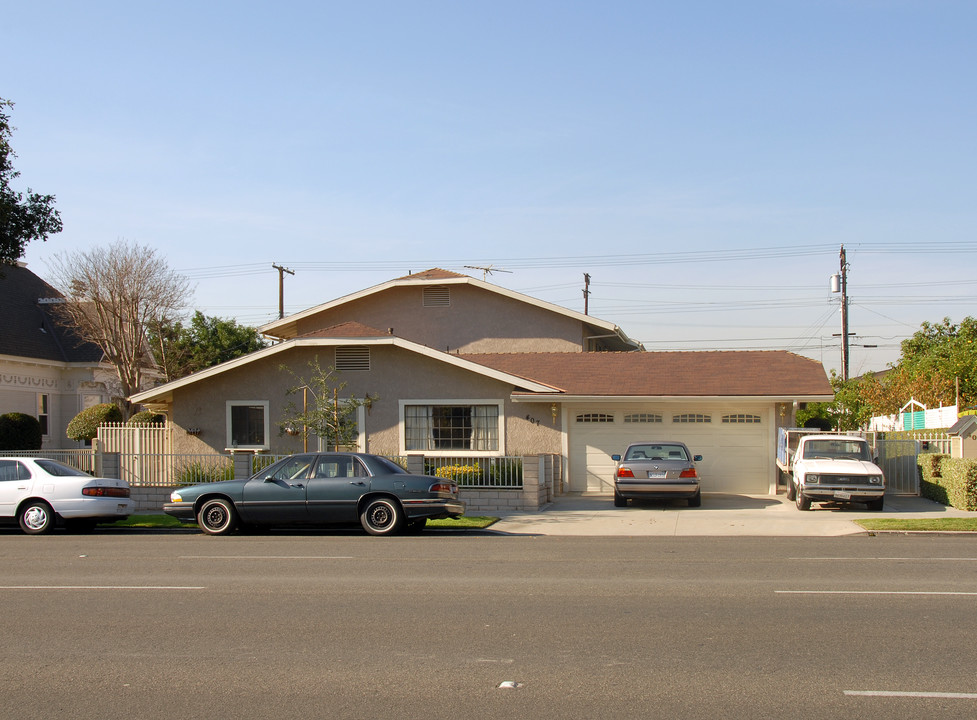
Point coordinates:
pixel 933 361
pixel 207 341
pixel 325 414
pixel 19 431
pixel 112 295
pixel 22 219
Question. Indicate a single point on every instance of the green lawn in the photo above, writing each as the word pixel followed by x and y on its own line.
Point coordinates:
pixel 921 525
pixel 465 522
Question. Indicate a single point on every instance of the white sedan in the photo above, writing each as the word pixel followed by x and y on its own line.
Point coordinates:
pixel 41 493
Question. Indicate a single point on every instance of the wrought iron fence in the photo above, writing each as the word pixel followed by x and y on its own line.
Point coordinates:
pixel 477 472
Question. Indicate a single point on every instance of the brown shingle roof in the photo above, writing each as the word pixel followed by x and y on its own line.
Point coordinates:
pixel 433 274
pixel 770 373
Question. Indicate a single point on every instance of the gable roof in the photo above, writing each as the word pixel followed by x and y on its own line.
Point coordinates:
pixel 771 374
pixel 347 331
pixel 285 327
pixel 28 329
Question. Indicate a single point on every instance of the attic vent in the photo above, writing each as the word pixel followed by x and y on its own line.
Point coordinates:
pixel 437 296
pixel 353 357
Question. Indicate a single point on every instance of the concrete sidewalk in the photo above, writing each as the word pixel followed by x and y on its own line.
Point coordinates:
pixel 720 514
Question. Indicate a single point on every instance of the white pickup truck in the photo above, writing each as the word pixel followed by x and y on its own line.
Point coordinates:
pixel 834 468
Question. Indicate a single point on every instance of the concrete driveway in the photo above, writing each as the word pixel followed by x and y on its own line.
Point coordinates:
pixel 720 514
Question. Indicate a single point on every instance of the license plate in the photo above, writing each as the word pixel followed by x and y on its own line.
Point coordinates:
pixel 657 474
pixel 842 495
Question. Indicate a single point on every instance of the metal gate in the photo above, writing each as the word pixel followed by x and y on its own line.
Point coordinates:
pixel 897 458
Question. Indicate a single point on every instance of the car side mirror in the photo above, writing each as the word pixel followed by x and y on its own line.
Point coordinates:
pixel 697 458
pixel 616 458
pixel 270 478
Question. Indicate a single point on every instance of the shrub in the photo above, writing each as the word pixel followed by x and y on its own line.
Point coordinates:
pixel 147 417
pixel 200 471
pixel 84 425
pixel 19 431
pixel 950 481
pixel 461 474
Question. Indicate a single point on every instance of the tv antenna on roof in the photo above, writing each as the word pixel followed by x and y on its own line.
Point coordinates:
pixel 486 271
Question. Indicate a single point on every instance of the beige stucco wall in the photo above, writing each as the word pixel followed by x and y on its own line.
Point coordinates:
pixel 67 386
pixel 476 321
pixel 395 375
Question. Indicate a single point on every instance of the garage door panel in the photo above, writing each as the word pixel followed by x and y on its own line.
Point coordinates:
pixel 736 458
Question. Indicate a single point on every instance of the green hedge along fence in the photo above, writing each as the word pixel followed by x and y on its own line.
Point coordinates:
pixel 947 480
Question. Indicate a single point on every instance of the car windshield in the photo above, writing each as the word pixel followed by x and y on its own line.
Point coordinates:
pixel 53 467
pixel 656 451
pixel 837 449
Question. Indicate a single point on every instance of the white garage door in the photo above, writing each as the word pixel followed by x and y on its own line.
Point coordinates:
pixel 735 442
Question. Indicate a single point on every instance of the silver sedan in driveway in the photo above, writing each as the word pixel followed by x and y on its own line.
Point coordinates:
pixel 656 470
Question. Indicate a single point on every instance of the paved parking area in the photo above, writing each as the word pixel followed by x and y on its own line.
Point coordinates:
pixel 720 514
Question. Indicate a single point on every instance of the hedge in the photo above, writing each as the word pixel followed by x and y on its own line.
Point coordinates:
pixel 947 480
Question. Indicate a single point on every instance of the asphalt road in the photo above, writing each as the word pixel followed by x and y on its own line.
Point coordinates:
pixel 341 625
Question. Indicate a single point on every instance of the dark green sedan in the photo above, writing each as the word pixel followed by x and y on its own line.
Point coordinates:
pixel 320 489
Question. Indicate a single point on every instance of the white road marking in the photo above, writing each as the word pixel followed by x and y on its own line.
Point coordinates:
pixel 102 587
pixel 928 559
pixel 265 557
pixel 870 592
pixel 911 694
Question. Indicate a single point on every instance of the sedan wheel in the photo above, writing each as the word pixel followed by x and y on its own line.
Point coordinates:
pixel 381 517
pixel 36 518
pixel 696 500
pixel 217 517
pixel 620 500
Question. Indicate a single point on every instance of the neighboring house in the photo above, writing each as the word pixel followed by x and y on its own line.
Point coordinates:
pixel 461 367
pixel 45 369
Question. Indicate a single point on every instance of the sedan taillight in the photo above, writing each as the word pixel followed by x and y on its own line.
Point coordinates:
pixel 98 491
pixel 625 472
pixel 443 487
pixel 688 473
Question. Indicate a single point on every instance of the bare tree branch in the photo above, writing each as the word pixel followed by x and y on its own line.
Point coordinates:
pixel 112 295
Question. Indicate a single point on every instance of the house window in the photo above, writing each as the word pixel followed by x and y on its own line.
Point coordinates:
pixel 444 427
pixel 691 418
pixel 42 412
pixel 643 418
pixel 353 357
pixel 437 296
pixel 741 418
pixel 247 424
pixel 595 418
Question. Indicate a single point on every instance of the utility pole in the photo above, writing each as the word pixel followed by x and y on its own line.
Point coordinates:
pixel 586 293
pixel 844 316
pixel 281 288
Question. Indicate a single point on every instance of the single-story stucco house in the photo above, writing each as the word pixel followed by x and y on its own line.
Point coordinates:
pixel 462 367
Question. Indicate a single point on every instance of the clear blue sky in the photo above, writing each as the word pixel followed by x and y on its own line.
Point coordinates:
pixel 703 160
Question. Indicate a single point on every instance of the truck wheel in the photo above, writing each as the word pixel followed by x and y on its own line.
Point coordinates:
pixel 790 488
pixel 802 502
